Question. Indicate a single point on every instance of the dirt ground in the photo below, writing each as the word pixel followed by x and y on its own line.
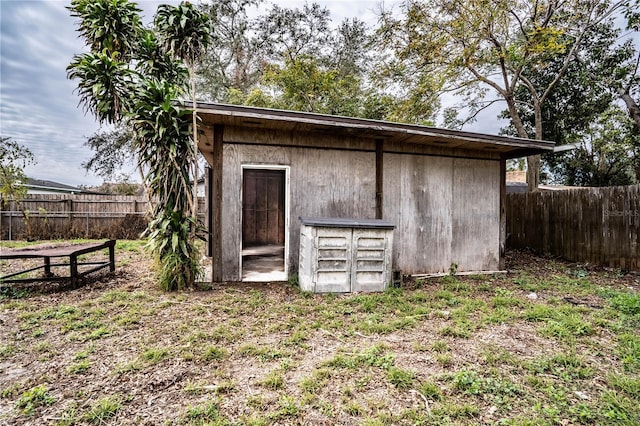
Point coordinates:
pixel 541 343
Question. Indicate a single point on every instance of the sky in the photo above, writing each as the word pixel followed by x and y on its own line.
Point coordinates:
pixel 38 106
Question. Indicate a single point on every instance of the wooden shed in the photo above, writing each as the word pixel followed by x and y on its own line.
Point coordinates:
pixel 444 190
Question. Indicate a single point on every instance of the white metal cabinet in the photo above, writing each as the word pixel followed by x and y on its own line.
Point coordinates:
pixel 344 255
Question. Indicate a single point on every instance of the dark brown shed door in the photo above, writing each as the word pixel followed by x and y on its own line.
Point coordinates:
pixel 262 207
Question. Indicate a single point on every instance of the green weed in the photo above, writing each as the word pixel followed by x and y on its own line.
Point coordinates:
pixel 352 408
pixel 629 350
pixel 401 379
pixel 274 380
pixel 155 355
pixel 34 398
pixel 374 356
pixel 440 346
pixel 616 409
pixel 626 384
pixel 203 414
pixel 431 391
pixel 70 416
pixel 79 367
pixel 104 409
pixel 455 411
pixel 567 366
pixel 287 407
pixel 444 359
pixel 214 353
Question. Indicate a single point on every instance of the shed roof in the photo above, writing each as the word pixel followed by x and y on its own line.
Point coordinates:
pixel 245 116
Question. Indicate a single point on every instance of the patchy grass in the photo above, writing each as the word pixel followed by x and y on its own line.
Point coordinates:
pixel 549 343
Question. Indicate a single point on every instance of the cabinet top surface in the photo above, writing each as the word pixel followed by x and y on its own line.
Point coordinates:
pixel 334 222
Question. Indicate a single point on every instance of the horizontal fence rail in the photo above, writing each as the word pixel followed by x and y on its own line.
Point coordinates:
pixel 592 225
pixel 62 216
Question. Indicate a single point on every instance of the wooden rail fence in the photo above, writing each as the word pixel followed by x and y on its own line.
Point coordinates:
pixel 62 216
pixel 594 225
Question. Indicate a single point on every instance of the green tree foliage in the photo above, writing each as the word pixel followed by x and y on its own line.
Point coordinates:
pixel 481 47
pixel 137 88
pixel 13 159
pixel 303 85
pixel 233 61
pixel 288 33
pixel 296 59
pixel 609 153
pixel 112 150
pixel 577 100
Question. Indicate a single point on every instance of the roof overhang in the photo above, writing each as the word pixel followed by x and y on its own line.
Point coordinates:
pixel 254 117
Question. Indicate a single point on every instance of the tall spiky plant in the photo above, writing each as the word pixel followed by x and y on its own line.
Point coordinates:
pixel 127 79
pixel 185 33
pixel 162 136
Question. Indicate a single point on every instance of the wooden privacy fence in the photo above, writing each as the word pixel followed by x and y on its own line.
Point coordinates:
pixel 63 216
pixel 595 225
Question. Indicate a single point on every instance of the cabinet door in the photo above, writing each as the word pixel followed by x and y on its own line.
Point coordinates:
pixel 333 262
pixel 369 260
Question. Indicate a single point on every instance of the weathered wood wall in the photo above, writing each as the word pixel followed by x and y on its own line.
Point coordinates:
pixel 446 209
pixel 595 225
pixel 323 182
pixel 66 216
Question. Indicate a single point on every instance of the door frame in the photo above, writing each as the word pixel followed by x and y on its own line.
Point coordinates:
pixel 287 191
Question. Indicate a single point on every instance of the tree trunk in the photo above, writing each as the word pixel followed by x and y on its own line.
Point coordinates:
pixel 533 161
pixel 632 107
pixel 533 172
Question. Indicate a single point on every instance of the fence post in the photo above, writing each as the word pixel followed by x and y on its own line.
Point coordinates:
pixel 70 209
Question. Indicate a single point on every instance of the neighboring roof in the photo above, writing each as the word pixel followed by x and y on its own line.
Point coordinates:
pixel 244 116
pixel 51 186
pixel 517 187
pixel 521 187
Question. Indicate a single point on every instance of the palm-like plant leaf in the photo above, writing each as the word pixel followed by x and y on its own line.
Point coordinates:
pixel 105 85
pixel 113 25
pixel 184 31
pixel 153 62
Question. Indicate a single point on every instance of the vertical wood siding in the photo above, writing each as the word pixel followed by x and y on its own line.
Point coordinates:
pixel 446 211
pixel 595 225
pixel 323 182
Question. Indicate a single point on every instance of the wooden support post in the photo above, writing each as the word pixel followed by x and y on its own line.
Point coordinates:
pixel 112 256
pixel 73 266
pixel 208 219
pixel 216 204
pixel 47 267
pixel 379 177
pixel 70 209
pixel 503 212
